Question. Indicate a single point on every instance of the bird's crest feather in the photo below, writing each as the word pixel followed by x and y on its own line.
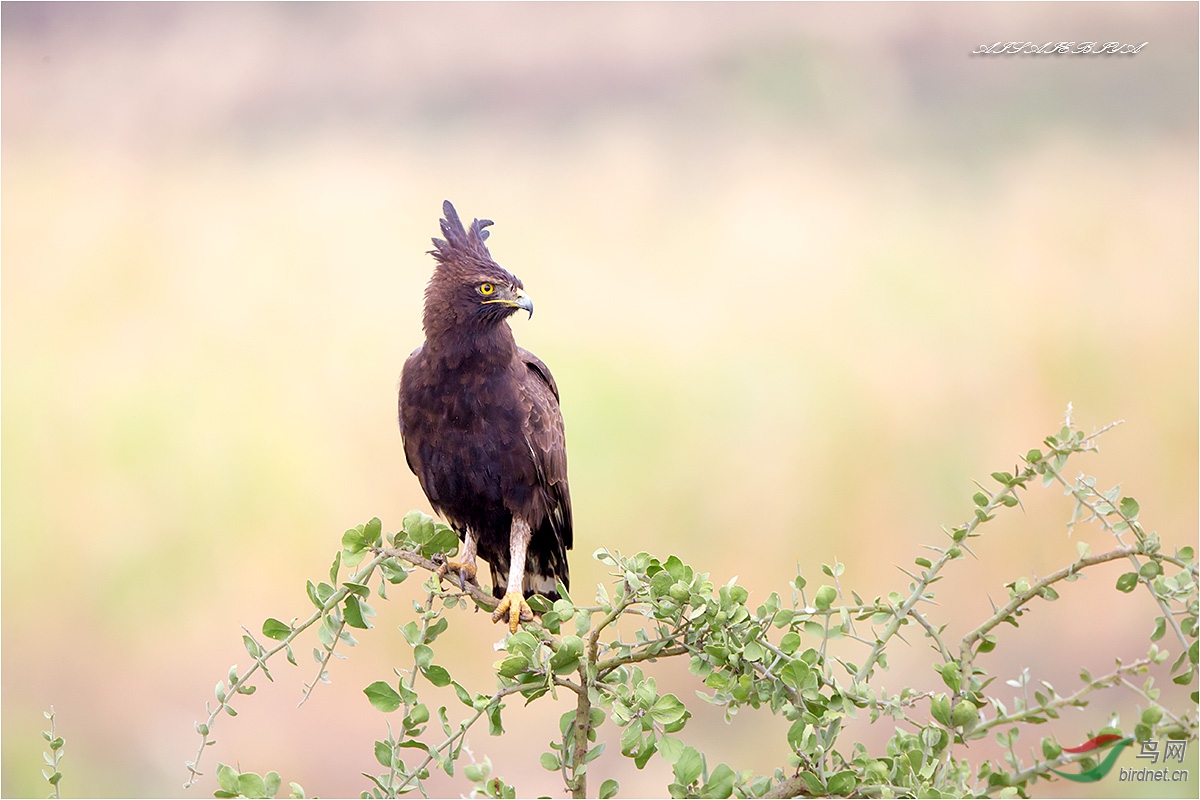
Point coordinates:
pixel 461 246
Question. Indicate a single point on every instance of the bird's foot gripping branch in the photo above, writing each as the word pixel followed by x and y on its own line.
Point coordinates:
pixel 810 654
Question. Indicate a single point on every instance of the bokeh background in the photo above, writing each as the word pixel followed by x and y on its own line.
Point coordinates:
pixel 802 272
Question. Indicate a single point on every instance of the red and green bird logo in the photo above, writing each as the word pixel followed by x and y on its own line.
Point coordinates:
pixel 1104 767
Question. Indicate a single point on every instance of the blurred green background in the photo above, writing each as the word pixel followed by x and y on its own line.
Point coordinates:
pixel 802 273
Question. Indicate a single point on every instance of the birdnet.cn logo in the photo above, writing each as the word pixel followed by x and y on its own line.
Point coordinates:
pixel 1172 750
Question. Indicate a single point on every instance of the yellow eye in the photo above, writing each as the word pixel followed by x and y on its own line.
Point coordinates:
pixel 486 288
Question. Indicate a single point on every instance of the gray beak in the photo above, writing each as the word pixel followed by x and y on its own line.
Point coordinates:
pixel 525 301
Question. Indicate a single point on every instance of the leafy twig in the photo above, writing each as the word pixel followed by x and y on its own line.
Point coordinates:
pixel 241 685
pixel 55 743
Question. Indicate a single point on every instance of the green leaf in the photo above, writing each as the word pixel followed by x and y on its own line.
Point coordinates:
pixel 980 499
pixel 538 603
pixel 604 557
pixel 1150 570
pixel 1187 554
pixel 939 707
pixel 1127 582
pixel 354 541
pixel 564 661
pixel 436 675
pixel 1129 508
pixel 661 583
pixel 594 753
pixel 669 748
pixel 393 572
pixel 789 643
pixel 720 782
pixel 964 713
pixel 843 783
pixel 354 613
pixel 417 717
pixel 667 709
pixel 677 569
pixel 382 696
pixel 825 597
pixel 1160 628
pixel 1051 749
pixel 512 666
pixel 436 629
pixel 815 787
pixel 550 761
pixel 572 644
pixel 794 673
pixel 463 695
pixel 951 675
pixel 251 646
pixel 495 727
pixel 522 642
pixel 689 766
pixel 423 654
pixel 609 789
pixel 795 734
pixel 412 632
pixel 274 629
pixel 251 784
pixel 418 526
pixel 444 540
pixel 227 778
pixel 383 753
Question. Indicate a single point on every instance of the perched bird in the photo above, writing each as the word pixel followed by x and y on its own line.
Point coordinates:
pixel 481 426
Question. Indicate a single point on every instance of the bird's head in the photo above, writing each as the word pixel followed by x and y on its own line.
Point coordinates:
pixel 468 289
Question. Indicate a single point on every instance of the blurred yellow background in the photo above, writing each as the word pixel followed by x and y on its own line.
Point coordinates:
pixel 802 272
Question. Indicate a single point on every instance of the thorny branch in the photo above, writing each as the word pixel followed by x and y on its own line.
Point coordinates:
pixel 819 705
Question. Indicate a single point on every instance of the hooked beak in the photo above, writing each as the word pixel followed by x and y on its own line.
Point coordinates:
pixel 525 301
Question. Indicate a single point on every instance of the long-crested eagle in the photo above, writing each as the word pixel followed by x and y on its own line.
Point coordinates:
pixel 481 426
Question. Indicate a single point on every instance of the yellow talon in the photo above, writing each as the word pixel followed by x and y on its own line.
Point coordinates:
pixel 465 570
pixel 513 606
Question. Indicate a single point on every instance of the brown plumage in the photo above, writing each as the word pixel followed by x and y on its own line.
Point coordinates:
pixel 481 425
